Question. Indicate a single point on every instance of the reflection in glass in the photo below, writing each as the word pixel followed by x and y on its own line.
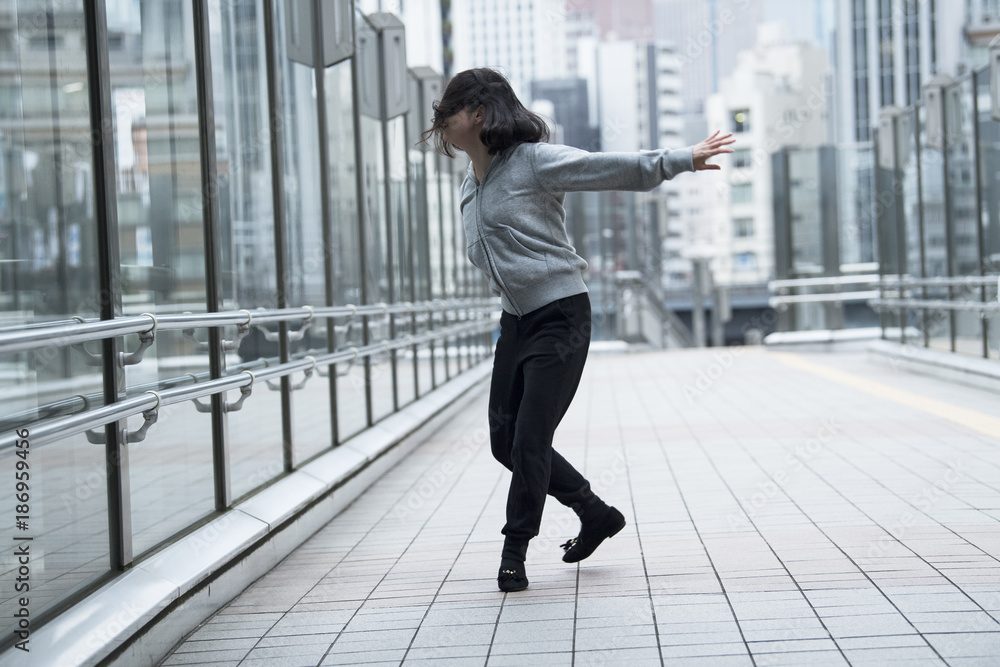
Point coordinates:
pixel 246 221
pixel 855 181
pixel 936 324
pixel 49 272
pixel 989 166
pixel 306 256
pixel 345 256
pixel 961 184
pixel 378 226
pixel 913 259
pixel 162 241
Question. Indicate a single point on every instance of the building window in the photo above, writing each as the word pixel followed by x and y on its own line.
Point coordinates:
pixel 741 158
pixel 742 193
pixel 745 261
pixel 740 120
pixel 743 228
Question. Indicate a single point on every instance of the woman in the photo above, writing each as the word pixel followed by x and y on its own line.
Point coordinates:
pixel 512 210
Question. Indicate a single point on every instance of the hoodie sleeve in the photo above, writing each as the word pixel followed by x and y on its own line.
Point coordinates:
pixel 567 169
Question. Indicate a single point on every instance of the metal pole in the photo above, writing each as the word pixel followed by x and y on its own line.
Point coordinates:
pixel 213 247
pixel 109 262
pixel 319 74
pixel 390 222
pixel 277 139
pixel 362 245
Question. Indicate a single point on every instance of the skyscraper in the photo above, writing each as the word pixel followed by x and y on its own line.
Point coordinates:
pixel 886 51
pixel 524 40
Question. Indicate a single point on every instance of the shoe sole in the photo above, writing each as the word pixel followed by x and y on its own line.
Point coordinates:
pixel 515 590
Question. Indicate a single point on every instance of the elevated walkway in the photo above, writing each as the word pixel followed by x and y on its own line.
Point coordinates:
pixel 784 509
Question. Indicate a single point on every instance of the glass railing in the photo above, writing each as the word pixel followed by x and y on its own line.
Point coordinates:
pixel 939 219
pixel 218 261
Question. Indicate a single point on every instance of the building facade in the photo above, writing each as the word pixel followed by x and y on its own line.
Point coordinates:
pixel 776 97
pixel 524 40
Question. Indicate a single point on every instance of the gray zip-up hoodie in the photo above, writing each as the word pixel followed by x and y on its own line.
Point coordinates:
pixel 515 223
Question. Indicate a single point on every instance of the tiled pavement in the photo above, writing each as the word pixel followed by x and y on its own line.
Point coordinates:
pixel 783 510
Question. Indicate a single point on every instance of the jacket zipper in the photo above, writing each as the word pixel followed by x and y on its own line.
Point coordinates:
pixel 486 247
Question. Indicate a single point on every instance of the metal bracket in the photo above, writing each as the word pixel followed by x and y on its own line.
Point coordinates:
pixel 293 336
pixel 242 331
pixel 347 369
pixel 276 386
pixel 228 407
pixel 146 339
pixel 149 418
pixel 345 328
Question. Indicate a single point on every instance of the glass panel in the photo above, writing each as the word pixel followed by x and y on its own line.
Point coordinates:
pixel 373 171
pixel 962 212
pixel 858 243
pixel 403 251
pixel 345 256
pixel 162 244
pixel 246 217
pixel 936 324
pixel 807 251
pixel 66 509
pixel 48 235
pixel 49 272
pixel 435 244
pixel 989 168
pixel 913 242
pixel 451 223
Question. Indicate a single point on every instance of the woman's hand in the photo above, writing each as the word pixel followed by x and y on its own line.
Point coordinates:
pixel 711 147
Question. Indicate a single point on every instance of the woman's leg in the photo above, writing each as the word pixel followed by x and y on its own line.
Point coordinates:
pixel 537 369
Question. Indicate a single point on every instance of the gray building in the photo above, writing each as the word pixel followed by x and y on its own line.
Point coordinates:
pixel 569 98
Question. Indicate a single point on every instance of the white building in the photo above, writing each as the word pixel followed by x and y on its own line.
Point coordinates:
pixel 423 33
pixel 775 98
pixel 982 25
pixel 524 40
pixel 639 108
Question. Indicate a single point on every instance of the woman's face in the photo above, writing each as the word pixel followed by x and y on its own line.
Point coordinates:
pixel 461 129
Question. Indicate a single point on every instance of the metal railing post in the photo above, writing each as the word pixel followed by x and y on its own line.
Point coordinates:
pixel 109 260
pixel 213 245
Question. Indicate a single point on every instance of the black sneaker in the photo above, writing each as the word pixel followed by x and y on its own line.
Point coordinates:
pixel 592 533
pixel 512 580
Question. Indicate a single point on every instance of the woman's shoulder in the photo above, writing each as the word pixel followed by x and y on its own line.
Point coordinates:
pixel 541 152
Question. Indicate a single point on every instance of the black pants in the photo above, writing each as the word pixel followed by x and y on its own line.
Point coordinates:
pixel 536 371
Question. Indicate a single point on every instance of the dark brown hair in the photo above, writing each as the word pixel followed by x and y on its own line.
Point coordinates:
pixel 507 122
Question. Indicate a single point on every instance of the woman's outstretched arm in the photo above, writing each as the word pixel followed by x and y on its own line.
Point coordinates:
pixel 566 169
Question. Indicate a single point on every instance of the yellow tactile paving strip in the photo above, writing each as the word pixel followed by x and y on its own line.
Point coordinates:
pixel 972 419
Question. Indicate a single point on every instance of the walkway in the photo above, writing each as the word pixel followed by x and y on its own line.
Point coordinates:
pixel 784 509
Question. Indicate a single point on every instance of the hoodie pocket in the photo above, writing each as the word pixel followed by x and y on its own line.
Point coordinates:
pixel 516 266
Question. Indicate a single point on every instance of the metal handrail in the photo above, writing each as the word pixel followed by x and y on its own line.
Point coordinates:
pixel 48 431
pixel 826 297
pixel 81 402
pixel 936 304
pixel 823 281
pixel 24 339
pixel 958 281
